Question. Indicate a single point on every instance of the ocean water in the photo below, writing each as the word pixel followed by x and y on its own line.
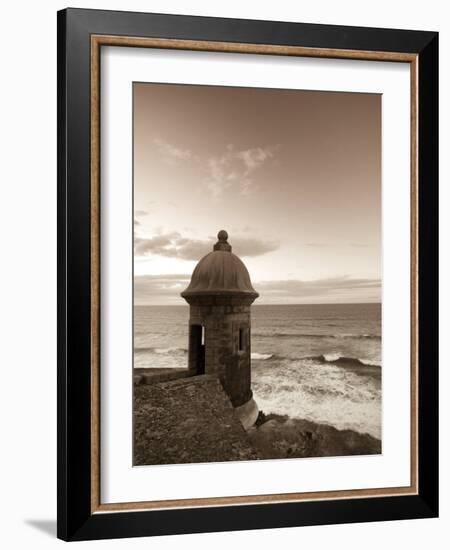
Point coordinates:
pixel 318 362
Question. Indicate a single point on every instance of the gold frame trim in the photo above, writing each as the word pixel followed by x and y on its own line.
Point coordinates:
pixel 97 41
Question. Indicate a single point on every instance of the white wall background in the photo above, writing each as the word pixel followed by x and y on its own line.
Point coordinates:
pixel 28 271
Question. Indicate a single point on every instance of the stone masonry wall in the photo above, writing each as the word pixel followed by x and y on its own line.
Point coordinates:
pixel 186 421
pixel 222 355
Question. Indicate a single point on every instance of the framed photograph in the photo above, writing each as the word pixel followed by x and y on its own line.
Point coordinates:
pixel 247 255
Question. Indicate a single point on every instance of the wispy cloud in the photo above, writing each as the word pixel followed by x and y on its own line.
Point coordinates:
pixel 174 245
pixel 253 158
pixel 330 244
pixel 166 288
pixel 236 168
pixel 232 168
pixel 172 153
pixel 320 288
pixel 141 212
pixel 159 289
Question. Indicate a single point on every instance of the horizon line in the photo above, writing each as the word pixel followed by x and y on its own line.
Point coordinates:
pixel 256 305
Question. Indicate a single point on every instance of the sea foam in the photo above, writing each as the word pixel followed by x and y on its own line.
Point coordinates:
pixel 320 392
pixel 261 356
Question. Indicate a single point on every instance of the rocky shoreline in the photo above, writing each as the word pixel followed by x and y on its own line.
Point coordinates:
pixel 190 420
pixel 275 436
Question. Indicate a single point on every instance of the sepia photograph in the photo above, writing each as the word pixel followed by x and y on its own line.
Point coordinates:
pixel 257 274
pixel 247 288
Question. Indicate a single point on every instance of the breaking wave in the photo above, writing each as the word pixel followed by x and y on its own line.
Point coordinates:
pixel 342 360
pixel 161 351
pixel 333 358
pixel 324 336
pixel 261 356
pixel 169 357
pixel 320 391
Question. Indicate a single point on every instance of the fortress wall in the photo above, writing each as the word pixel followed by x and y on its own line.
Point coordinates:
pixel 187 420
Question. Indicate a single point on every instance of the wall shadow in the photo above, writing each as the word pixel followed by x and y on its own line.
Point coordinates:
pixel 47 526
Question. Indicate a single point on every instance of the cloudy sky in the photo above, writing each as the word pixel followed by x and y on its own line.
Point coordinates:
pixel 293 176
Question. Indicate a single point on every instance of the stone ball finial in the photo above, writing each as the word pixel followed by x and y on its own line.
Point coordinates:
pixel 222 243
pixel 220 275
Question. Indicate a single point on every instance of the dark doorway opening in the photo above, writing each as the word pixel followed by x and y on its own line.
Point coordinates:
pixel 241 339
pixel 197 348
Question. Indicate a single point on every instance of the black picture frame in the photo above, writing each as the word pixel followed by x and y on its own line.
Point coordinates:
pixel 76 521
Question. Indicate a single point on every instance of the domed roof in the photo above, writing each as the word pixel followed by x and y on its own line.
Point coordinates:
pixel 220 272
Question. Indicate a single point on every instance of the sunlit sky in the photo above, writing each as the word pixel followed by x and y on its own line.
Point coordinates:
pixel 293 176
